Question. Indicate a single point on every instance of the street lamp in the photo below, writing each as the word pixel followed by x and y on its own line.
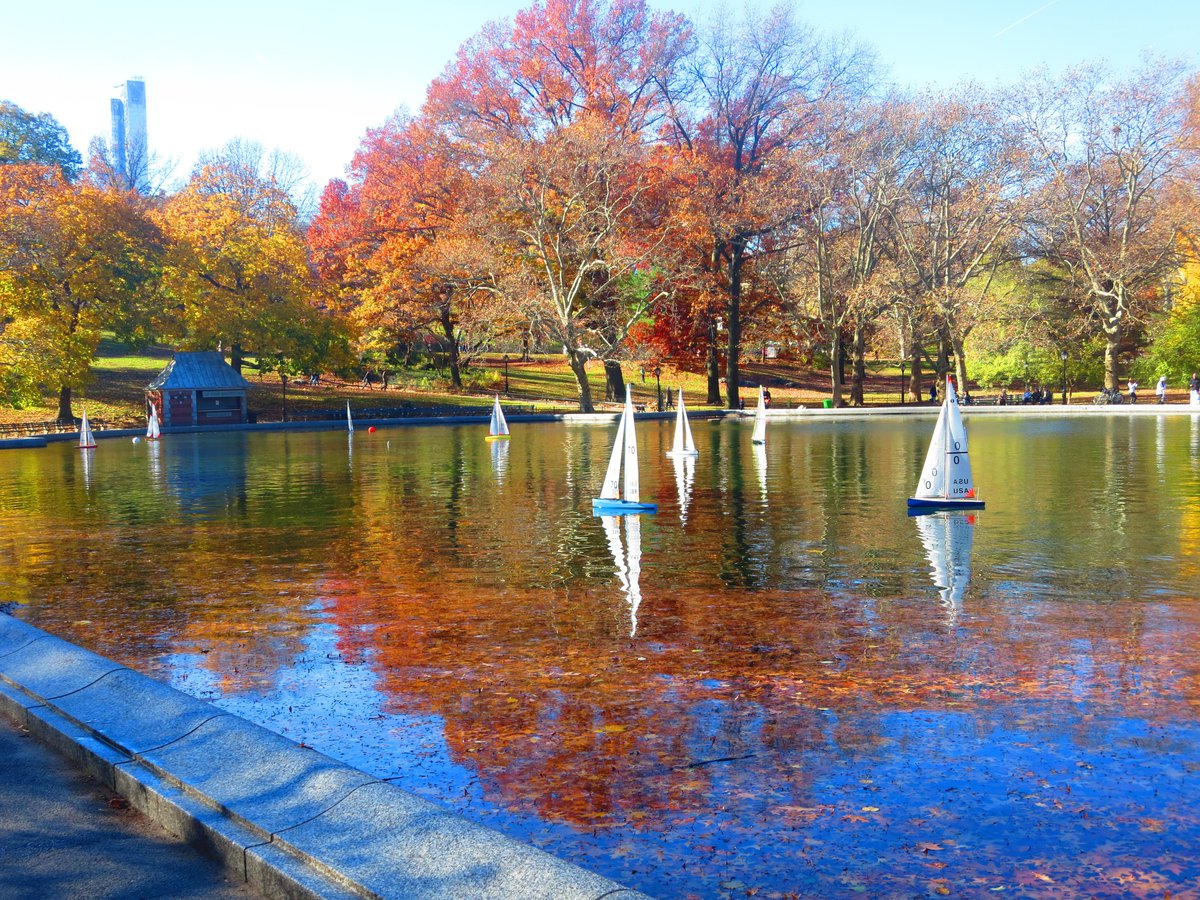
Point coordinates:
pixel 658 385
pixel 506 374
pixel 1063 356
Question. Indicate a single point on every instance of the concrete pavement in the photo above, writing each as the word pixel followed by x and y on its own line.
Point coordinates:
pixel 63 835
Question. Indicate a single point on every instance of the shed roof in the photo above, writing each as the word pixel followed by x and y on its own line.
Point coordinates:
pixel 203 370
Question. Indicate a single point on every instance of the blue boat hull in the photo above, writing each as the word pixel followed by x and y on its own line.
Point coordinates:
pixel 621 508
pixel 916 503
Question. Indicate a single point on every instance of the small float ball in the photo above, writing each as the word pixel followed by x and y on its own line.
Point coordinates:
pixel 137 440
pixel 371 429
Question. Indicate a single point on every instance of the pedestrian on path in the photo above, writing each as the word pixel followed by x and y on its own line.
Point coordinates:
pixel 1194 390
pixel 1133 386
pixel 1161 389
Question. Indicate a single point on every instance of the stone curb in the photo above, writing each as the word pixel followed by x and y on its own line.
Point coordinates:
pixel 291 822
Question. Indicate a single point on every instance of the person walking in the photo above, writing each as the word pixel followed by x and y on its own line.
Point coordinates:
pixel 1160 389
pixel 1194 390
pixel 1133 386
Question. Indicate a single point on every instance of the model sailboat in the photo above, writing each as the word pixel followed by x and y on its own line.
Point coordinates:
pixel 86 440
pixel 946 481
pixel 153 432
pixel 760 419
pixel 683 444
pixel 617 498
pixel 498 427
pixel 349 419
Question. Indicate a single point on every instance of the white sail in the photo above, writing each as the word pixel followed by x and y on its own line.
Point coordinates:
pixel 760 419
pixel 612 477
pixel 948 539
pixel 946 474
pixel 683 445
pixel 959 483
pixel 152 429
pixel 349 418
pixel 86 439
pixel 498 425
pixel 932 482
pixel 632 490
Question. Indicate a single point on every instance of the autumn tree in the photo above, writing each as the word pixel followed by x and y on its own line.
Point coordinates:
pixel 236 266
pixel 74 259
pixel 1108 153
pixel 552 112
pixel 760 84
pixel 956 221
pixel 402 245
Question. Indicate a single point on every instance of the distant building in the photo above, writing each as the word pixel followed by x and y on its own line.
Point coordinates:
pixel 199 389
pixel 130 150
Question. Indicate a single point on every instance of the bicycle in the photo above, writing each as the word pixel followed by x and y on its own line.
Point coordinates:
pixel 1109 397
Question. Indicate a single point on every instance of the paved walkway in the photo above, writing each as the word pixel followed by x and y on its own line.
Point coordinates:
pixel 61 837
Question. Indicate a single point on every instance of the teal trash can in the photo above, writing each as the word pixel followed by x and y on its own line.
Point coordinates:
pixel 827 403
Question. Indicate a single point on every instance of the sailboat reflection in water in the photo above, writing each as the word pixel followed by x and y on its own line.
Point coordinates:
pixel 499 459
pixel 685 480
pixel 628 560
pixel 947 539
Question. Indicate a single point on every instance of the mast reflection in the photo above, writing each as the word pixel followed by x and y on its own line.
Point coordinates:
pixel 947 538
pixel 628 560
pixel 685 480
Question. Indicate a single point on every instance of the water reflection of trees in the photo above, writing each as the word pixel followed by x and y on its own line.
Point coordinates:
pixel 775 641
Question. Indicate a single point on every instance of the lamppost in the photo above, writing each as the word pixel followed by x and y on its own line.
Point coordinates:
pixel 506 374
pixel 658 386
pixel 1063 356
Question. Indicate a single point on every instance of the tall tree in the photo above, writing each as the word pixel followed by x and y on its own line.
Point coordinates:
pixel 237 258
pixel 760 82
pixel 402 243
pixel 29 138
pixel 955 223
pixel 1108 154
pixel 74 259
pixel 545 110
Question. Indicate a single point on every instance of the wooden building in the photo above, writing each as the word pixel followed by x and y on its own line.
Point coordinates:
pixel 199 389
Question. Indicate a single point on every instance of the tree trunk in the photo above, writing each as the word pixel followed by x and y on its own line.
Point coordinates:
pixel 452 342
pixel 858 379
pixel 943 357
pixel 579 367
pixel 235 357
pixel 614 381
pixel 734 327
pixel 64 405
pixel 836 368
pixel 914 378
pixel 712 366
pixel 1112 346
pixel 960 362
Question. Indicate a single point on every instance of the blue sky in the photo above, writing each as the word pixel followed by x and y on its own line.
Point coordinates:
pixel 311 78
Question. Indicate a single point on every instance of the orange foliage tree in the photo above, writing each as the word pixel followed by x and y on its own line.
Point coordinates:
pixel 74 259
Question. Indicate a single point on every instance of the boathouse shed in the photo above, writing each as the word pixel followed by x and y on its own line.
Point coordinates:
pixel 199 388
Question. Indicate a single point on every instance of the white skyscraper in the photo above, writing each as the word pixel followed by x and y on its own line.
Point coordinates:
pixel 130 151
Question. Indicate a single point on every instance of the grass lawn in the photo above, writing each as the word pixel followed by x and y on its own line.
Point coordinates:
pixel 120 376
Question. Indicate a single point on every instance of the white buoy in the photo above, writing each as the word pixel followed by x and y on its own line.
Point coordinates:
pixel 137 440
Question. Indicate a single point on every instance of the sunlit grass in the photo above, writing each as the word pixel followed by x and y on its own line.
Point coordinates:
pixel 120 375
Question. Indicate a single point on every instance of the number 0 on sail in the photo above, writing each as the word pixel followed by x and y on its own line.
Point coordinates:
pixel 946 481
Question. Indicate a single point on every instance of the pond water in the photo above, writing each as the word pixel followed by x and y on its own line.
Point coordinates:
pixel 778 685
